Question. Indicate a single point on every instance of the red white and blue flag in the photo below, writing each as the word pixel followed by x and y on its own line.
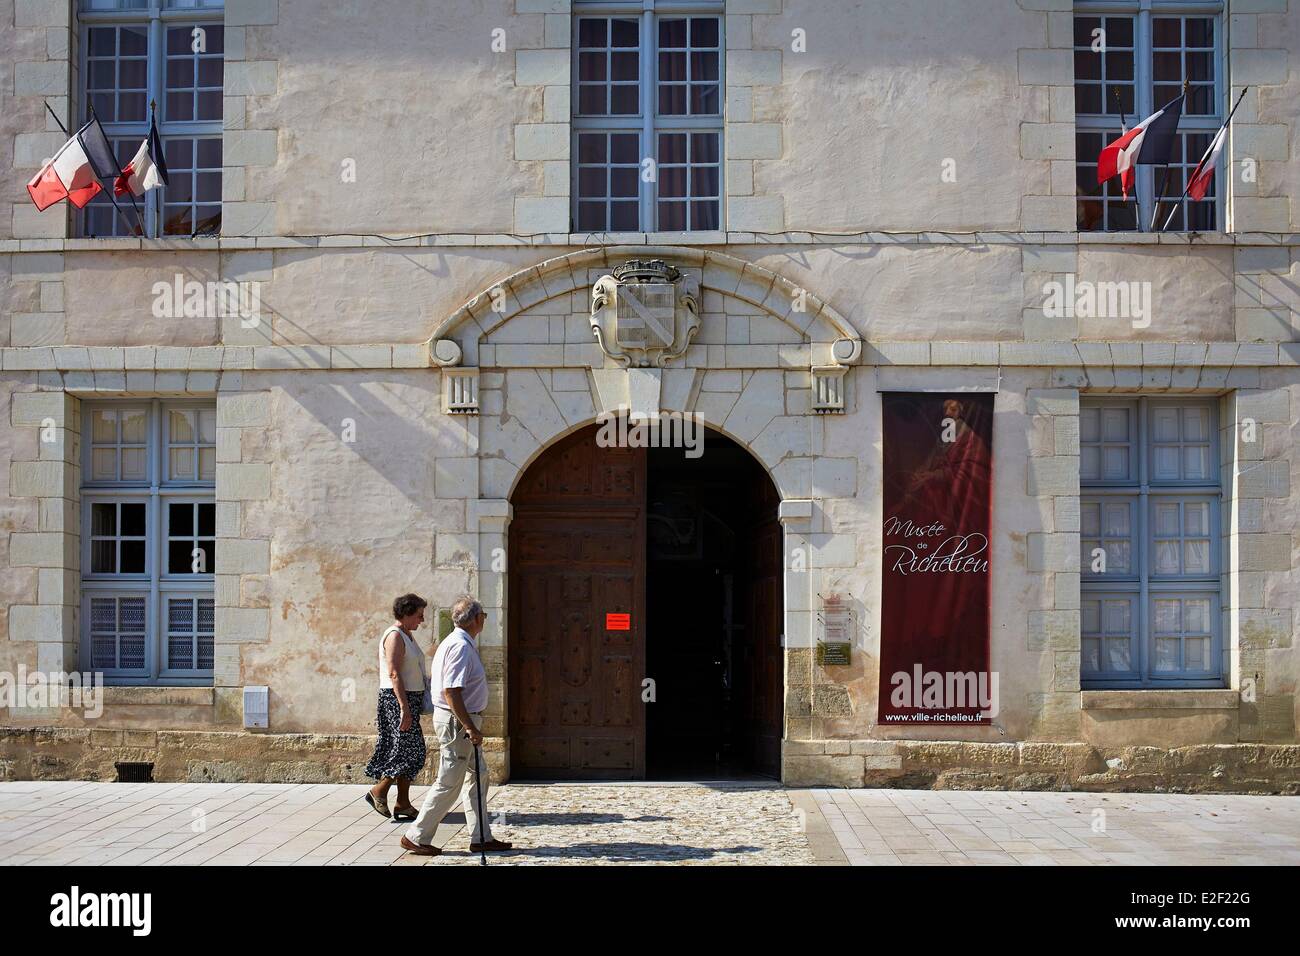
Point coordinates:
pixel 1149 143
pixel 75 171
pixel 147 170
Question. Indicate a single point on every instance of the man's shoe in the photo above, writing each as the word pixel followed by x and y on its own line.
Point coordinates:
pixel 489 846
pixel 418 849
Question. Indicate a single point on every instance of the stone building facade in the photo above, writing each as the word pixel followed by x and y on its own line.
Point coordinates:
pixel 895 187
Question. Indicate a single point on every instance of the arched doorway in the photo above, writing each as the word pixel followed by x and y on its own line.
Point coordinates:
pixel 634 563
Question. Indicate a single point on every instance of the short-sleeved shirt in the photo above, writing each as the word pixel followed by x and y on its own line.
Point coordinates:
pixel 457 664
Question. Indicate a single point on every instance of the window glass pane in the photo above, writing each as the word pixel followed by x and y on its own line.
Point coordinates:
pixel 1196 462
pixel 1196 653
pixel 1196 518
pixel 1091 651
pixel 1118 654
pixel 624 216
pixel 1167 617
pixel 1116 462
pixel 1090 463
pixel 1196 616
pixel 133 519
pixel 1165 424
pixel 207 520
pixel 134 425
pixel 135 464
pixel 1196 557
pixel 180 557
pixel 103 425
pixel 623 101
pixel 1167 519
pixel 672 32
pixel 1167 557
pixel 625 33
pixel 1117 425
pixel 1165 463
pixel 132 557
pixel 180 519
pixel 1090 616
pixel 1119 617
pixel 182 425
pixel 1166 656
pixel 104 464
pixel 181 463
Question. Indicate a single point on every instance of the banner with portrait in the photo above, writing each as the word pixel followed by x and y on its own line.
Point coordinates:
pixel 935 592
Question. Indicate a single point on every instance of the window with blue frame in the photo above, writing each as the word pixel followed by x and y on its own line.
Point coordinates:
pixel 168 56
pixel 1150 555
pixel 149 540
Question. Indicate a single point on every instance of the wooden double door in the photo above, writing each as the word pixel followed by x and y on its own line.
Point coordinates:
pixel 577 590
pixel 579 622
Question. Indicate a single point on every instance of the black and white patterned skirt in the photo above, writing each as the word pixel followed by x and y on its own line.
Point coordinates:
pixel 397 753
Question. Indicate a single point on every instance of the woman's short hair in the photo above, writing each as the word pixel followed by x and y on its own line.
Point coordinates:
pixel 408 604
pixel 465 610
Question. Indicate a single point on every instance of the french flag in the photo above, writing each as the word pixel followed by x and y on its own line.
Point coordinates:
pixel 69 175
pixel 1204 171
pixel 147 170
pixel 1149 143
pixel 76 169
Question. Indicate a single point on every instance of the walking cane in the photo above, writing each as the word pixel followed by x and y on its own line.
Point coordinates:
pixel 478 789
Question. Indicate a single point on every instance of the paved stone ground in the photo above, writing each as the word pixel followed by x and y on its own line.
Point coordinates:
pixel 693 824
pixel 323 824
pixel 963 827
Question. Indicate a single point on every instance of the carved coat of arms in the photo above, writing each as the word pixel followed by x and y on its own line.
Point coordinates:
pixel 645 313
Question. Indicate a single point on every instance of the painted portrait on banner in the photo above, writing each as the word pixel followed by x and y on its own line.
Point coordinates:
pixel 937 516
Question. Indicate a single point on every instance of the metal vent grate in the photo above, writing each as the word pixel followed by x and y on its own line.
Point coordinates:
pixel 134 772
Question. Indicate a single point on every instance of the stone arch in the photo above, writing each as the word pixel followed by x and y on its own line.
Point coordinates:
pixel 818 322
pixel 543 446
pixel 531 421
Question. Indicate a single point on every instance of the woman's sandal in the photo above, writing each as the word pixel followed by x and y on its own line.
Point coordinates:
pixel 407 813
pixel 380 806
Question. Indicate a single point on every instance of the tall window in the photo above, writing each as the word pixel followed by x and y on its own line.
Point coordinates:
pixel 148 540
pixel 1128 63
pixel 647 116
pixel 170 53
pixel 1150 554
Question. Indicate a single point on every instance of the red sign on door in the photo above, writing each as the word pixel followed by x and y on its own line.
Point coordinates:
pixel 618 622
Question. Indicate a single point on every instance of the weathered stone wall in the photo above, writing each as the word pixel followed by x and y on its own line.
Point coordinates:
pixel 341 480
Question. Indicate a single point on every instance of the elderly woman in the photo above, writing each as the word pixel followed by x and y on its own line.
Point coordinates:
pixel 399 752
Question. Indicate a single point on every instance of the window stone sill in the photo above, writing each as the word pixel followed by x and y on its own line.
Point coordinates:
pixel 1160 699
pixel 165 696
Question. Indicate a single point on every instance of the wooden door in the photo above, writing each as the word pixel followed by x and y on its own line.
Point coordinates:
pixel 577 555
pixel 765 704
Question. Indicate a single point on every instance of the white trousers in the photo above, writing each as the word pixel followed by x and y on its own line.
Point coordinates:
pixel 456 773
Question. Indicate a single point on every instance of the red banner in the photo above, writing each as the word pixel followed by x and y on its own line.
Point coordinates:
pixel 934 641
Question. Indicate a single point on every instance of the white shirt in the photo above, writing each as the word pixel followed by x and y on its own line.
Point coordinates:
pixel 457 664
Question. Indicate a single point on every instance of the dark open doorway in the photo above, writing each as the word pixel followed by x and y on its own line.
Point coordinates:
pixel 628 563
pixel 713 602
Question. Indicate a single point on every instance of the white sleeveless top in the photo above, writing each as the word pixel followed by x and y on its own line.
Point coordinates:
pixel 412 669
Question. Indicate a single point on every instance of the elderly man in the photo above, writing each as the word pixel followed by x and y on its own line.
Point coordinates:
pixel 460 693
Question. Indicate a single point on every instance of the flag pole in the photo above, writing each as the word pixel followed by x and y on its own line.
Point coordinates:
pixel 1164 181
pixel 111 196
pixel 1188 185
pixel 1123 128
pixel 62 128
